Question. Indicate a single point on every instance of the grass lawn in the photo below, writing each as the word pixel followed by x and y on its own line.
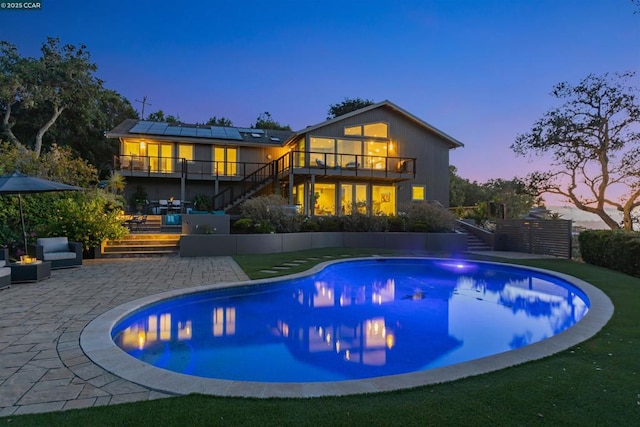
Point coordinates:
pixel 595 383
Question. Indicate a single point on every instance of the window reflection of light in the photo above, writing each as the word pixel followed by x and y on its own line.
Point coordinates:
pixel 391 341
pixel 224 321
pixel 141 340
pixel 184 330
pixel 152 328
pixel 165 327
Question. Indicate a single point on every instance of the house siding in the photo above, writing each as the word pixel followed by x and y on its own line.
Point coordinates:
pixel 410 140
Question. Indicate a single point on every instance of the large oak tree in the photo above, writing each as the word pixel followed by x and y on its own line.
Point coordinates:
pixel 591 144
pixel 62 78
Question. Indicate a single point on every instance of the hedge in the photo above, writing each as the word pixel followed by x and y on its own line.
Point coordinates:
pixel 614 249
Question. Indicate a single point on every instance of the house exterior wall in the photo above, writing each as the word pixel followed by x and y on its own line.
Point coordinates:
pixel 409 137
pixel 409 140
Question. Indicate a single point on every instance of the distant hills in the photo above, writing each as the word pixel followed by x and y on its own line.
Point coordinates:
pixel 584 219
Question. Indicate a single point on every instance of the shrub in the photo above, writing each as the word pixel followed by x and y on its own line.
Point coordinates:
pixel 89 218
pixel 309 224
pixel 427 217
pixel 242 225
pixel 617 250
pixel 269 214
pixel 202 202
pixel 330 223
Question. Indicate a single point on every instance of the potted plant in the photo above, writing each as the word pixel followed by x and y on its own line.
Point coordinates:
pixel 139 198
pixel 202 202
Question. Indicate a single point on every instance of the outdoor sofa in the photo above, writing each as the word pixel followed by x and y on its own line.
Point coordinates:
pixel 59 251
pixel 5 271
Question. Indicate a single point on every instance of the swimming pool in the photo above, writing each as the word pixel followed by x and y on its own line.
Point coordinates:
pixel 362 323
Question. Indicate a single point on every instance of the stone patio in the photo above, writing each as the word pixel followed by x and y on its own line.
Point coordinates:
pixel 43 368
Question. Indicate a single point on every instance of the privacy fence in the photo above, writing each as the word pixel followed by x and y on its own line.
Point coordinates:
pixel 543 237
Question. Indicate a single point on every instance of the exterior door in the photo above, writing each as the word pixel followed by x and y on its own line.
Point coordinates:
pixel 160 157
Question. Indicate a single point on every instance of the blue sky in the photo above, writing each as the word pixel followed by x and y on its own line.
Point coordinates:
pixel 478 70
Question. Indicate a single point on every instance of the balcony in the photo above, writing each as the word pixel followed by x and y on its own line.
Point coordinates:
pixel 295 162
pixel 174 167
pixel 349 165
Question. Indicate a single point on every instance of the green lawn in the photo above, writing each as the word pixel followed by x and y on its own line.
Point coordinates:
pixel 595 383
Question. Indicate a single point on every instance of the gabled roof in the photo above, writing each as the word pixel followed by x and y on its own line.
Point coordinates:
pixel 164 131
pixel 453 143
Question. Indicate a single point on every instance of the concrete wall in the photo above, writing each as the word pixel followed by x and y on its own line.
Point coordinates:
pixel 247 244
pixel 198 223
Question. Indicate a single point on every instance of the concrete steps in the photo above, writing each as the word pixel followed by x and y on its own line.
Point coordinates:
pixel 137 244
pixel 473 242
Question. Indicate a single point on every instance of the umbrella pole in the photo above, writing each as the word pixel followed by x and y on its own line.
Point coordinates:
pixel 24 230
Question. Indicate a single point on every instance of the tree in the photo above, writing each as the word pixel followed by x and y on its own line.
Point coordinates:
pixel 512 193
pixel 347 106
pixel 265 121
pixel 592 141
pixel 222 121
pixel 157 116
pixel 62 78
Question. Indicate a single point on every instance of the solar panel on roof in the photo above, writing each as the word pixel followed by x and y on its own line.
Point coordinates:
pixel 189 131
pixel 141 127
pixel 158 128
pixel 204 133
pixel 173 130
pixel 218 132
pixel 232 133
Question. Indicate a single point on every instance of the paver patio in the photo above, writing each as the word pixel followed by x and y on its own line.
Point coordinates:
pixel 43 368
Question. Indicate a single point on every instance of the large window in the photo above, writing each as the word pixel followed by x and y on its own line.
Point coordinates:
pixel 375 130
pixel 225 161
pixel 350 152
pixel 322 152
pixel 324 199
pixel 160 157
pixel 383 199
pixel 353 198
pixel 185 151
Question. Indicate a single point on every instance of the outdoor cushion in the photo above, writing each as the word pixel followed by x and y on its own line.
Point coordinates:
pixel 51 256
pixel 54 244
pixel 2 262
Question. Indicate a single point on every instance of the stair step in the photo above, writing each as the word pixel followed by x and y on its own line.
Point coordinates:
pixel 142 244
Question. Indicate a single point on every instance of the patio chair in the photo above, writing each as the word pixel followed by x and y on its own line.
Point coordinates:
pixel 59 250
pixel 163 205
pixel 5 271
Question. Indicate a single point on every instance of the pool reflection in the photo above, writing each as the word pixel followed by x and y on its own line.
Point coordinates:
pixel 352 320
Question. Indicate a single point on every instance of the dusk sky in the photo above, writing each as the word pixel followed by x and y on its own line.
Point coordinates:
pixel 479 70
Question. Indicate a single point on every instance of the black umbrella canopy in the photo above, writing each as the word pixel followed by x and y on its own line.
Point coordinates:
pixel 19 183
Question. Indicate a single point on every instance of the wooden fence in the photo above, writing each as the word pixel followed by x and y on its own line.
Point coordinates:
pixel 539 236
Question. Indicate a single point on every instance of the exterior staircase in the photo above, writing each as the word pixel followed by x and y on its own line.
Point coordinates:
pixel 142 244
pixel 473 242
pixel 146 239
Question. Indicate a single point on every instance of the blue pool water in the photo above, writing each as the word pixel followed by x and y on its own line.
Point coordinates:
pixel 353 320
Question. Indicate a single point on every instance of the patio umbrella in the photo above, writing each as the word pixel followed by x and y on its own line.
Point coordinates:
pixel 19 183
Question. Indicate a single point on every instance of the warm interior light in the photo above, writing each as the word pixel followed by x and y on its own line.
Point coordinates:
pixel 142 144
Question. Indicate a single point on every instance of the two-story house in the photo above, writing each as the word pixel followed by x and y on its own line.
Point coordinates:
pixel 371 160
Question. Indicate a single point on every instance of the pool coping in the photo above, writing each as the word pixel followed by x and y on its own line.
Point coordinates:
pixel 97 344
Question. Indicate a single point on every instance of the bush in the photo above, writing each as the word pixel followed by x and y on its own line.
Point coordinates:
pixel 614 249
pixel 89 218
pixel 270 214
pixel 427 217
